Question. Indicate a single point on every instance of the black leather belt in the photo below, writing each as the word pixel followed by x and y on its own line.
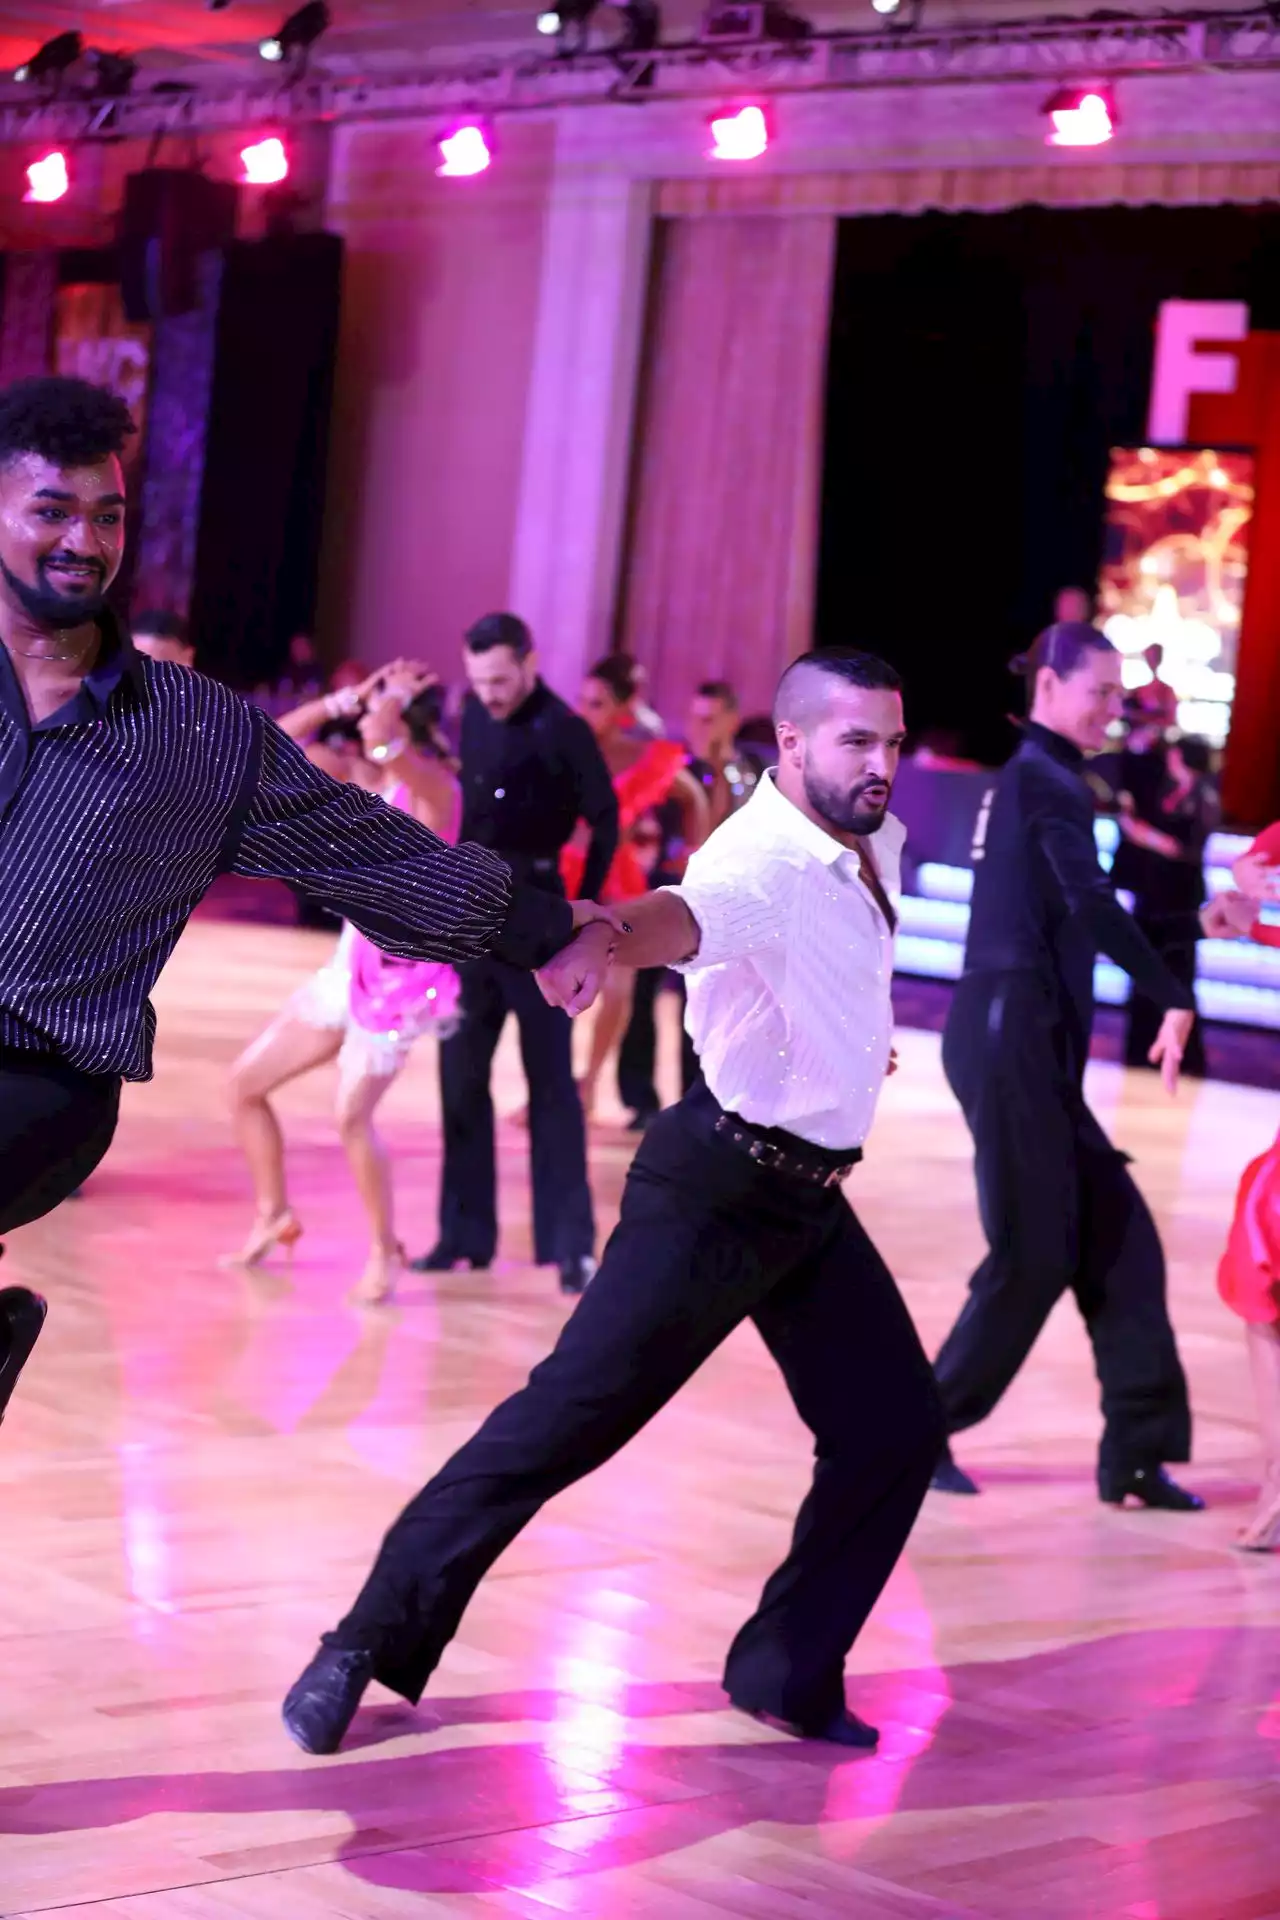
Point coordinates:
pixel 793 1159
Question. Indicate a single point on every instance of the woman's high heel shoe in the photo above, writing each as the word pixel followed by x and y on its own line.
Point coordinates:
pixel 1262 1534
pixel 378 1281
pixel 283 1229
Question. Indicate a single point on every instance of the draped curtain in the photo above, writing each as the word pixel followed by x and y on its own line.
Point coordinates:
pixel 720 557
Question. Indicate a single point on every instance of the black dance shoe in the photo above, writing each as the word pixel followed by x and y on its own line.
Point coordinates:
pixel 949 1478
pixel 844 1729
pixel 321 1703
pixel 576 1275
pixel 443 1259
pixel 21 1318
pixel 1150 1486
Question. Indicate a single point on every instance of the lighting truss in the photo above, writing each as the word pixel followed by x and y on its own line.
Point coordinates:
pixel 950 56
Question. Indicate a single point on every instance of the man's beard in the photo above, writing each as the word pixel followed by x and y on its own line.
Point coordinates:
pixel 46 607
pixel 843 809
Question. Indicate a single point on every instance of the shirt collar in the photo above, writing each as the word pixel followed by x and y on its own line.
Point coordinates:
pixel 1056 745
pixel 788 821
pixel 118 659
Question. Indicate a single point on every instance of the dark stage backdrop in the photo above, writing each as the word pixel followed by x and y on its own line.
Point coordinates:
pixel 981 367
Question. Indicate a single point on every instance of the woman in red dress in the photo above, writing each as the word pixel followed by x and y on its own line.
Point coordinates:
pixel 1249 1276
pixel 647 774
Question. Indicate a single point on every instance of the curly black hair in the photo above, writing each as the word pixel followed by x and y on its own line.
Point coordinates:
pixel 69 422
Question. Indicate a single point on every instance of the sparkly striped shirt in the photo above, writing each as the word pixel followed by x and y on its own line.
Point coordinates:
pixel 118 811
pixel 789 992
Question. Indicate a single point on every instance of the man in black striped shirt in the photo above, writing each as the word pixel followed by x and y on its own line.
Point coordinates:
pixel 126 786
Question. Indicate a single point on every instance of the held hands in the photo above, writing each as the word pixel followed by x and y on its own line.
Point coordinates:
pixel 1228 916
pixel 1171 1044
pixel 1257 877
pixel 574 977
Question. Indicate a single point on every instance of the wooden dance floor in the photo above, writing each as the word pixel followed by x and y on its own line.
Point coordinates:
pixel 1080 1708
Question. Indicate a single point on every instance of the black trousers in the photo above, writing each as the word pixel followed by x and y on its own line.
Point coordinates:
pixel 1060 1211
pixel 638 1054
pixel 563 1223
pixel 706 1239
pixel 1145 1016
pixel 55 1126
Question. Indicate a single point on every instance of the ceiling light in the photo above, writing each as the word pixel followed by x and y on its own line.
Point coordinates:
pixel 265 163
pixel 53 59
pixel 47 179
pixel 464 152
pixel 569 21
pixel 298 34
pixel 1081 116
pixel 740 135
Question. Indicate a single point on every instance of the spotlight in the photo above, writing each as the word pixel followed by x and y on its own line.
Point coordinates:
pixel 464 152
pixel 53 59
pixel 743 135
pixel 298 34
pixel 1081 116
pixel 266 163
pixel 569 21
pixel 885 6
pixel 47 179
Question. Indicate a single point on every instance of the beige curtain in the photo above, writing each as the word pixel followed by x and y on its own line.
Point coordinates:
pixel 722 549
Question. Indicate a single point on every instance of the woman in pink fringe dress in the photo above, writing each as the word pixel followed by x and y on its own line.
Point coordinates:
pixel 363 1008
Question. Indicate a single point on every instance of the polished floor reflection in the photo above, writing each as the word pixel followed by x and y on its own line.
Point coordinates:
pixel 1081 1708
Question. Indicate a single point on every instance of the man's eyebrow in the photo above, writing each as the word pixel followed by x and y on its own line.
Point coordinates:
pixel 60 494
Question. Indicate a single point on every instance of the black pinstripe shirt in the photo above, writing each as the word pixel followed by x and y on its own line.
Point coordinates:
pixel 119 810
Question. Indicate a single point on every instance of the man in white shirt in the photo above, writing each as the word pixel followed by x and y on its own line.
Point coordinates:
pixel 733 1209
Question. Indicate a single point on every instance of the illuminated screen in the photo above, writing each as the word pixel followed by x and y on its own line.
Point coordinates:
pixel 1177 554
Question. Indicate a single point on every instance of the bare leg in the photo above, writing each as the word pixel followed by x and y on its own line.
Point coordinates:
pixel 1263 1531
pixel 612 1014
pixel 287 1048
pixel 357 1102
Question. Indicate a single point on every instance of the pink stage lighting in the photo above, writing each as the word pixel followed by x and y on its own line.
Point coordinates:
pixel 47 179
pixel 266 163
pixel 463 152
pixel 743 135
pixel 1082 117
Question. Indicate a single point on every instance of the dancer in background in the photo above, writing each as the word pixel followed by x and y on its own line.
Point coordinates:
pixel 1249 1275
pixel 163 636
pixel 363 1007
pixel 732 1210
pixel 1058 1206
pixel 647 774
pixel 126 786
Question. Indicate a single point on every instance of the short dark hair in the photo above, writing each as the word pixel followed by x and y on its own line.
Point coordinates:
pixel 1196 753
pixel 499 630
pixel 164 626
pixel 618 672
pixel 69 422
pixel 796 698
pixel 1063 648
pixel 721 690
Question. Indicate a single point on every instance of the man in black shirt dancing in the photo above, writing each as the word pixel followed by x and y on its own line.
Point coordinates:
pixel 531 770
pixel 1058 1206
pixel 126 786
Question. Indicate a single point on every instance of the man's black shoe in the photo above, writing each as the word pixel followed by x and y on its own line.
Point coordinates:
pixel 442 1259
pixel 843 1730
pixel 576 1275
pixel 949 1478
pixel 321 1703
pixel 21 1318
pixel 1151 1486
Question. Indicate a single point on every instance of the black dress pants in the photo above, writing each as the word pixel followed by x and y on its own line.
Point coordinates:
pixel 563 1223
pixel 1059 1210
pixel 638 1054
pixel 55 1126
pixel 705 1240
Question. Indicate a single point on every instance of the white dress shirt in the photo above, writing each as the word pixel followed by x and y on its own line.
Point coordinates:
pixel 789 1003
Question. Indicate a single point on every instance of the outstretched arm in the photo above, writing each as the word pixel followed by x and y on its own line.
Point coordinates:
pixel 396 881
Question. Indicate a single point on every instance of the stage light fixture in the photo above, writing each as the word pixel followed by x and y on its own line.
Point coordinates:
pixel 113 73
pixel 53 59
pixel 298 34
pixel 569 22
pixel 885 6
pixel 464 152
pixel 740 135
pixel 47 179
pixel 1081 116
pixel 265 163
pixel 641 25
